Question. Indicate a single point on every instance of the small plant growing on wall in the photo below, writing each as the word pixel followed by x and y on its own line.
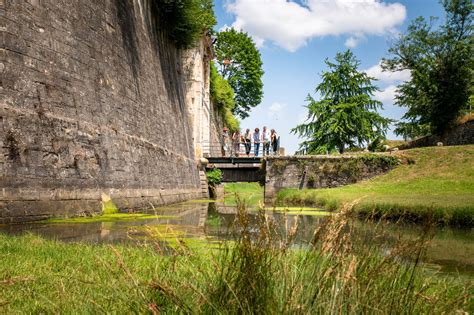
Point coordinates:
pixel 214 178
pixel 311 181
pixel 279 166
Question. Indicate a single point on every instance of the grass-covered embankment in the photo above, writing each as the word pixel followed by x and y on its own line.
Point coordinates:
pixel 261 272
pixel 251 193
pixel 437 183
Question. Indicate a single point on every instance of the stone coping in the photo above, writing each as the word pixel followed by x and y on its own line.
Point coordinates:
pixel 322 156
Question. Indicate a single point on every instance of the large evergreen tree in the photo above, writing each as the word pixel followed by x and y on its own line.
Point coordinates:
pixel 241 65
pixel 441 64
pixel 346 115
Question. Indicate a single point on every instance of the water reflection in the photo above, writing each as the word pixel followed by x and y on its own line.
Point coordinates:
pixel 451 250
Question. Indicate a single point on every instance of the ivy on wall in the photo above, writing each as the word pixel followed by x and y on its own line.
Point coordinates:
pixel 223 96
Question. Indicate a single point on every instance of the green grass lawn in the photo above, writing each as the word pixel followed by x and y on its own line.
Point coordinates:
pixel 438 184
pixel 251 193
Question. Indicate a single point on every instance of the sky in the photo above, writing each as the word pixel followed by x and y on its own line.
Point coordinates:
pixel 296 36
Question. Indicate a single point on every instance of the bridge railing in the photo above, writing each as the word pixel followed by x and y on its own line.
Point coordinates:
pixel 238 149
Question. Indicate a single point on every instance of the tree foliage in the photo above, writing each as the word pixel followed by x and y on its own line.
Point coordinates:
pixel 441 63
pixel 223 96
pixel 185 20
pixel 346 115
pixel 240 64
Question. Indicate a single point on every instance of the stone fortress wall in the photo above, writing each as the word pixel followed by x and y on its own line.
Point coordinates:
pixel 93 105
pixel 322 171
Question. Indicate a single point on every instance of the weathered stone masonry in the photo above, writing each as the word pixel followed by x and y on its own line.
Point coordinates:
pixel 92 101
pixel 321 171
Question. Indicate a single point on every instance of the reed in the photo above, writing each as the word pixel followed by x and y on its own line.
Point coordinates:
pixel 263 271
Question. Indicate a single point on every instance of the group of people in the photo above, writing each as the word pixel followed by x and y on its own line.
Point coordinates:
pixel 268 140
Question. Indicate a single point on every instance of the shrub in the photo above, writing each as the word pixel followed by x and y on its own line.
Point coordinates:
pixel 214 177
pixel 185 20
pixel 223 97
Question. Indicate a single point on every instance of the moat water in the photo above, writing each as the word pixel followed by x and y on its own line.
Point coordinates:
pixel 450 250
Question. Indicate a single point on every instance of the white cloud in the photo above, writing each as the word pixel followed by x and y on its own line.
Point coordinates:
pixel 290 25
pixel 351 42
pixel 274 111
pixel 387 95
pixel 387 76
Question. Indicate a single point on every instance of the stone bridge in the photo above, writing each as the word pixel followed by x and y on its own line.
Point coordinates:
pixel 320 171
pixel 238 169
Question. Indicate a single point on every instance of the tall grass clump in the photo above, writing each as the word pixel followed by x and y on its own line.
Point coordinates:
pixel 265 271
pixel 265 268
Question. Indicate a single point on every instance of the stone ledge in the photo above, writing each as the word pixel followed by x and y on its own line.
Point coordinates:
pixel 25 209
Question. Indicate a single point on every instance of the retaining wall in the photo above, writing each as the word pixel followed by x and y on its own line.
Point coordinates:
pixel 321 171
pixel 459 135
pixel 92 102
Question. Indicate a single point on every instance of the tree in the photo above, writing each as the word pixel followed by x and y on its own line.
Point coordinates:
pixel 240 64
pixel 441 64
pixel 346 115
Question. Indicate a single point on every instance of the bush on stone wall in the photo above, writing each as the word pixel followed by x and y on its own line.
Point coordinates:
pixel 185 21
pixel 222 95
pixel 214 177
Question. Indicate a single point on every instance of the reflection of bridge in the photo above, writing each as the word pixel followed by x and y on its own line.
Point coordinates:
pixel 238 169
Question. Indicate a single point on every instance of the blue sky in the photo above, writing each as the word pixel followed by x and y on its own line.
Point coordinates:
pixel 295 37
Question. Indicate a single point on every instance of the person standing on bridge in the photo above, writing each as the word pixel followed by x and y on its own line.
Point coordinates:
pixel 236 138
pixel 266 141
pixel 247 141
pixel 225 141
pixel 256 141
pixel 274 140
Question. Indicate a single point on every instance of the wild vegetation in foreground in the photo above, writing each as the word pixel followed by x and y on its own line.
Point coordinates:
pixel 437 184
pixel 262 271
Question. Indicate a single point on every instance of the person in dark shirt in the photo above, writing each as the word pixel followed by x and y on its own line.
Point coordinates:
pixel 275 140
pixel 247 141
pixel 256 141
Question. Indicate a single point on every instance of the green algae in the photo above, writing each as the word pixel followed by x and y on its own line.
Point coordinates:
pixel 112 217
pixel 310 213
pixel 297 210
pixel 200 201
pixel 176 238
pixel 294 209
pixel 109 207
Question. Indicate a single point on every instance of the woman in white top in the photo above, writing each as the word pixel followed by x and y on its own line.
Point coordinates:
pixel 266 141
pixel 236 142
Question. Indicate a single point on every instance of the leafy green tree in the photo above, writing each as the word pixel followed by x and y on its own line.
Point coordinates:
pixel 240 64
pixel 346 115
pixel 441 63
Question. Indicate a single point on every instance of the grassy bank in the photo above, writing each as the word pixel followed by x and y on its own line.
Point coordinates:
pixel 259 272
pixel 438 184
pixel 251 193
